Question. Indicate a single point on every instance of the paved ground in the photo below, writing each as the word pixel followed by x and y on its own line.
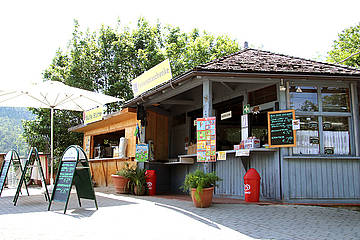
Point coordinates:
pixel 128 217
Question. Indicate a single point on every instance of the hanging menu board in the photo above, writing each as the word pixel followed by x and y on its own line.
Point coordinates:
pixel 206 139
pixel 64 181
pixel 280 128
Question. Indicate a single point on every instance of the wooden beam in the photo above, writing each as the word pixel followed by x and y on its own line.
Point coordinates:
pixel 178 102
pixel 159 97
pixel 227 87
pixel 242 80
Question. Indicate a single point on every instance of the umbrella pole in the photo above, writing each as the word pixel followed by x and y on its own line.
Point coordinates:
pixel 52 147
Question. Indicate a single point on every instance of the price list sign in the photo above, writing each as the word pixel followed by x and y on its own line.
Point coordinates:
pixel 4 171
pixel 280 129
pixel 64 181
pixel 206 139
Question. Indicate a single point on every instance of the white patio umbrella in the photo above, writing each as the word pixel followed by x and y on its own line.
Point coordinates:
pixel 53 95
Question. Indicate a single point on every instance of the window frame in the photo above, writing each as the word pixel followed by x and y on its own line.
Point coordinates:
pixel 320 114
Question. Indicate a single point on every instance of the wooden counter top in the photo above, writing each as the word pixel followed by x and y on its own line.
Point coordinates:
pixel 108 159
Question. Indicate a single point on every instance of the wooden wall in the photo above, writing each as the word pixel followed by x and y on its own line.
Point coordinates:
pixel 125 122
pixel 157 130
pixel 101 170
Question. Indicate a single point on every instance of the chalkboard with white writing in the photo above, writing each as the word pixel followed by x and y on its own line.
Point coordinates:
pixel 64 181
pixel 4 170
pixel 73 169
pixel 280 129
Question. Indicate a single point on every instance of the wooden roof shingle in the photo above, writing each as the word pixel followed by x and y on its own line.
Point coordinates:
pixel 259 61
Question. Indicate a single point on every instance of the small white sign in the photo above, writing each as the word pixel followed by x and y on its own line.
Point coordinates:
pixel 242 153
pixel 296 124
pixel 244 133
pixel 226 115
pixel 244 121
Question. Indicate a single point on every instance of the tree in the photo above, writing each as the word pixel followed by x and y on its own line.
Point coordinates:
pixel 347 44
pixel 107 60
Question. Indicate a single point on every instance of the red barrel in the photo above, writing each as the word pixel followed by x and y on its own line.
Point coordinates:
pixel 252 185
pixel 151 181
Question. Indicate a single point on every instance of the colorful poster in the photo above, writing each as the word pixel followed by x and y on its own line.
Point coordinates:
pixel 142 152
pixel 206 139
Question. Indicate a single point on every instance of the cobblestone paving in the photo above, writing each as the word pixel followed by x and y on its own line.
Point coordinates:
pixel 128 217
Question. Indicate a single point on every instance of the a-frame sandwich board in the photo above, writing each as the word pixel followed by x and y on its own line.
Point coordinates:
pixel 73 168
pixel 11 157
pixel 33 158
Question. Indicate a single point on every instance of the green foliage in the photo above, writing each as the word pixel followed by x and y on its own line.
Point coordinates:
pixel 109 59
pixel 11 129
pixel 200 180
pixel 348 43
pixel 138 180
pixel 37 131
pixel 127 171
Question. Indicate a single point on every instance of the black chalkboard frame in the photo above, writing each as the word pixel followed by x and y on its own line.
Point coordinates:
pixel 269 128
pixel 29 165
pixel 4 171
pixel 14 157
pixel 81 166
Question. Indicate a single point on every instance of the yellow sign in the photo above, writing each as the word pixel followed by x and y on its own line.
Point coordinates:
pixel 221 155
pixel 151 78
pixel 93 115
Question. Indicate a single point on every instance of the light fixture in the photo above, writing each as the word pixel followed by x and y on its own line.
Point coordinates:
pixel 282 86
pixel 298 90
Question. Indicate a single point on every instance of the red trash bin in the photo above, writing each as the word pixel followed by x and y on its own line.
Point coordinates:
pixel 252 185
pixel 151 181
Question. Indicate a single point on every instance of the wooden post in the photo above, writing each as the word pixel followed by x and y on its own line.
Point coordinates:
pixel 207 109
pixel 355 111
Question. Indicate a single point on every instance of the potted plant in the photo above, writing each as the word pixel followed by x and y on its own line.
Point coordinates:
pixel 121 179
pixel 138 181
pixel 201 185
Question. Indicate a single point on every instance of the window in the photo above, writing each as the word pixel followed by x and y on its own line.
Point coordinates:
pixel 335 99
pixel 304 98
pixel 324 114
pixel 307 137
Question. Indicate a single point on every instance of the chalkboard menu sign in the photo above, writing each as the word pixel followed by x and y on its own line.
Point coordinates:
pixel 64 181
pixel 32 164
pixel 280 129
pixel 4 171
pixel 73 168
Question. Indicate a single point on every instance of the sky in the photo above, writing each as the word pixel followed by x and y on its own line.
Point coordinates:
pixel 32 31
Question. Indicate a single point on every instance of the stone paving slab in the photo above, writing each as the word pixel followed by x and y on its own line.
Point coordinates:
pixel 130 217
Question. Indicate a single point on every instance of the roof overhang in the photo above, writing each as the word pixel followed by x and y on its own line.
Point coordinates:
pixel 194 77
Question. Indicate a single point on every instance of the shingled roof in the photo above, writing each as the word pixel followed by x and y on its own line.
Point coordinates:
pixel 259 61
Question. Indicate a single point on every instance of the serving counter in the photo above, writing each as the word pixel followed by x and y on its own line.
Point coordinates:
pixel 102 169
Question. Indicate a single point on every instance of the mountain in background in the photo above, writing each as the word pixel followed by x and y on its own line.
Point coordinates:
pixel 11 129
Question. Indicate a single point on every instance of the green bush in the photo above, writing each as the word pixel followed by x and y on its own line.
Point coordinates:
pixel 199 180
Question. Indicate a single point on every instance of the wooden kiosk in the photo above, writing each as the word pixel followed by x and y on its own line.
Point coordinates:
pixel 101 141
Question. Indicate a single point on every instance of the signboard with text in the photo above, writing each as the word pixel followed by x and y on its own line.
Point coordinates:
pixel 280 129
pixel 93 115
pixel 151 78
pixel 73 169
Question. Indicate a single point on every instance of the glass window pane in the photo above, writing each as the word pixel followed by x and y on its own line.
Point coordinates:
pixel 304 98
pixel 335 99
pixel 307 137
pixel 336 135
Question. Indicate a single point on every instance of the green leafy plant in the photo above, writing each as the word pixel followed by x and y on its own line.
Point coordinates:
pixel 199 180
pixel 138 180
pixel 127 171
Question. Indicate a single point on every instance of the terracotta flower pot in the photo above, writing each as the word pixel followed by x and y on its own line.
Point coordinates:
pixel 139 190
pixel 205 197
pixel 120 183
